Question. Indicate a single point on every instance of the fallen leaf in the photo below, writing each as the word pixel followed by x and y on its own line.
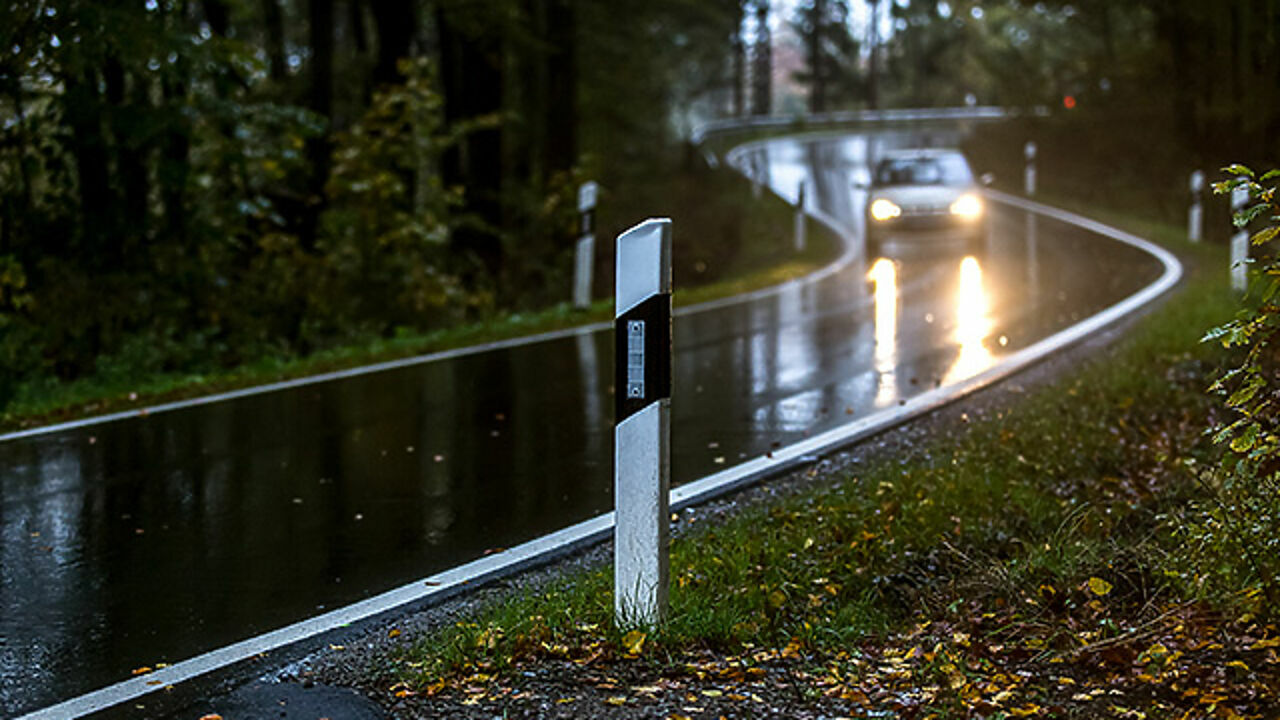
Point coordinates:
pixel 1098 586
pixel 633 642
pixel 792 649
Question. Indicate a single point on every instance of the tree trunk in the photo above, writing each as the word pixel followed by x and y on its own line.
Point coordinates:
pixel 739 73
pixel 873 66
pixel 762 70
pixel 320 101
pixel 1171 23
pixel 396 25
pixel 125 108
pixel 817 58
pixel 273 27
pixel 471 73
pixel 562 89
pixel 84 112
pixel 175 166
pixel 218 15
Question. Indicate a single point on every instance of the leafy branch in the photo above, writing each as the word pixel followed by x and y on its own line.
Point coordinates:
pixel 1245 518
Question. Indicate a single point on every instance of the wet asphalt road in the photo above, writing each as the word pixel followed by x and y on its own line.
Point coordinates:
pixel 151 540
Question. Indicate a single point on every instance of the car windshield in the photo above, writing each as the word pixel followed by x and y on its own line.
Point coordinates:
pixel 938 170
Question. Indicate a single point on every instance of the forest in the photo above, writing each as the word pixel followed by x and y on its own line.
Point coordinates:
pixel 188 185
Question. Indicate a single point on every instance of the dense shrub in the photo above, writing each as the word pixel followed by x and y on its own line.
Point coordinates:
pixel 1239 527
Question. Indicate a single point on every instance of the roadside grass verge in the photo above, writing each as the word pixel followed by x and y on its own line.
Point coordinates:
pixel 758 241
pixel 1023 561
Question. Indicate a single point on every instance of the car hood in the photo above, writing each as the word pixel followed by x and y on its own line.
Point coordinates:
pixel 923 196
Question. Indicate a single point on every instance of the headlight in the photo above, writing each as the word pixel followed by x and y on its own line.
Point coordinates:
pixel 882 209
pixel 967 206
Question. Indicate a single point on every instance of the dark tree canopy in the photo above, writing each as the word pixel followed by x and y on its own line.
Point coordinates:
pixel 191 183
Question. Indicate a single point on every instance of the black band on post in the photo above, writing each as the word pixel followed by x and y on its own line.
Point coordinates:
pixel 642 366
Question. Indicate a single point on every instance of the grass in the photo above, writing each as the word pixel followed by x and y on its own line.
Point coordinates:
pixel 1042 527
pixel 761 259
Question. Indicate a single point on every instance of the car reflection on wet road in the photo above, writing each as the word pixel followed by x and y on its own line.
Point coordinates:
pixel 150 540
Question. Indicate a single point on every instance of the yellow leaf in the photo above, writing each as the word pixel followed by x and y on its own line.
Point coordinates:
pixel 792 649
pixel 1157 653
pixel 617 700
pixel 1028 711
pixel 1098 586
pixel 1239 664
pixel 393 632
pixel 808 543
pixel 1264 644
pixel 712 693
pixel 633 642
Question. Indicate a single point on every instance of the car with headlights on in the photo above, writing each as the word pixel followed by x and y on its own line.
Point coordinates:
pixel 924 197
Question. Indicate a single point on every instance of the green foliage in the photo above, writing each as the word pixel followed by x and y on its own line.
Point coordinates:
pixel 1240 529
pixel 383 249
pixel 188 186
pixel 15 325
pixel 831 55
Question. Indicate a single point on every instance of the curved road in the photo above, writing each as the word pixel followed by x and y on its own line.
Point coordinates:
pixel 153 539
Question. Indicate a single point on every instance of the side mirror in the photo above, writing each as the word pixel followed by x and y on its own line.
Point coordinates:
pixel 987 178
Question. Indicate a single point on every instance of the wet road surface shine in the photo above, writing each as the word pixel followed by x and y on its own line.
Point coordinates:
pixel 148 541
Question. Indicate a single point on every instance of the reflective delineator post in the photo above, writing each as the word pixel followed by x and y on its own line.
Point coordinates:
pixel 1029 152
pixel 584 260
pixel 1239 243
pixel 800 220
pixel 642 435
pixel 1195 214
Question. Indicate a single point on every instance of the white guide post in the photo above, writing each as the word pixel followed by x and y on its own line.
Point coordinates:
pixel 800 220
pixel 642 436
pixel 1029 152
pixel 584 260
pixel 1239 243
pixel 1195 214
